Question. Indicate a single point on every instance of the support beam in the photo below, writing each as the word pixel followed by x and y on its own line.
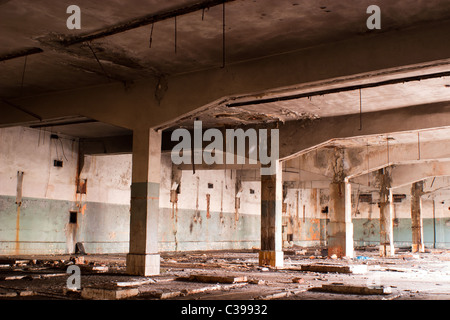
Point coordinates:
pixel 386 214
pixel 271 253
pixel 366 159
pixel 295 140
pixel 416 217
pixel 408 173
pixel 340 226
pixel 142 21
pixel 143 258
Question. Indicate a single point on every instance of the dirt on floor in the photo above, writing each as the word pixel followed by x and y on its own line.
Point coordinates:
pixel 233 275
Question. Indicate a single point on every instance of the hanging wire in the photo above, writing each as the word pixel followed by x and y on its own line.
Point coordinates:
pixel 56 148
pixel 418 143
pixel 223 36
pixel 62 147
pixel 368 166
pixel 98 61
pixel 175 34
pixel 151 36
pixel 360 110
pixel 387 145
pixel 23 74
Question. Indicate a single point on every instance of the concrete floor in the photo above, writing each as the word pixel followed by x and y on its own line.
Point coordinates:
pixel 424 276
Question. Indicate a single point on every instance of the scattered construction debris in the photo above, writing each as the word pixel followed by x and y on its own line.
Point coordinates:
pixel 298 280
pixel 229 274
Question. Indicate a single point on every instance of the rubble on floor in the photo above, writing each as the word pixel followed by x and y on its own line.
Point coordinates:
pixel 232 275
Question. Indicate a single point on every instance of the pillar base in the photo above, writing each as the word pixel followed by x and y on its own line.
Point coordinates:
pixel 143 264
pixel 340 239
pixel 417 248
pixel 271 258
pixel 386 250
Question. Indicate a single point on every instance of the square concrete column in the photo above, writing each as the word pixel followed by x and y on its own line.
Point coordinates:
pixel 271 253
pixel 386 214
pixel 340 226
pixel 416 217
pixel 143 258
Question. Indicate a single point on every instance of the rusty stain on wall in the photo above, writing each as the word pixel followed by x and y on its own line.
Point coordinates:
pixel 314 229
pixel 208 201
pixel 19 204
pixel 236 207
pixel 222 220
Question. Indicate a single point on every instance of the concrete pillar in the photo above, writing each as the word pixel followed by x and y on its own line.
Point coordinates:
pixel 386 214
pixel 143 258
pixel 271 253
pixel 340 226
pixel 391 222
pixel 416 217
pixel 348 221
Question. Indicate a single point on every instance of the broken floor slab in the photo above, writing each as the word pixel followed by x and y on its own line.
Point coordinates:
pixel 213 279
pixel 135 283
pixel 348 289
pixel 325 268
pixel 426 279
pixel 108 294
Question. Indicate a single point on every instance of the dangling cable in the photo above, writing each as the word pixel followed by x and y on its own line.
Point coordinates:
pixel 418 144
pixel 360 110
pixel 98 61
pixel 175 34
pixel 151 36
pixel 387 145
pixel 223 36
pixel 23 74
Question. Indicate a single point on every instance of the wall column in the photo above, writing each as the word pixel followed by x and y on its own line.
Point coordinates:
pixel 416 217
pixel 143 258
pixel 340 226
pixel 271 253
pixel 386 214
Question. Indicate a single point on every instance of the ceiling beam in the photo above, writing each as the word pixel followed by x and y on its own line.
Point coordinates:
pixel 339 89
pixel 142 21
pixel 20 53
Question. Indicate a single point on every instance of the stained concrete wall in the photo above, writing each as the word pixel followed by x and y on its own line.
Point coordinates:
pixel 435 214
pixel 305 220
pixel 41 224
pixel 205 216
pixel 304 223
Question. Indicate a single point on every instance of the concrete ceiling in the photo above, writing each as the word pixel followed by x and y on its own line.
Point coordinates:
pixel 254 29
